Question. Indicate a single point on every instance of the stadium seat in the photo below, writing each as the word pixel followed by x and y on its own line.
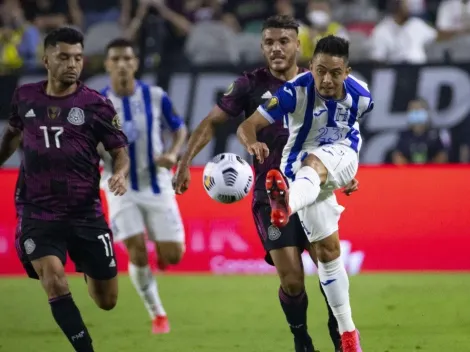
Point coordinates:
pixel 212 42
pixel 459 49
pixel 437 51
pixel 358 47
pixel 249 46
pixel 98 36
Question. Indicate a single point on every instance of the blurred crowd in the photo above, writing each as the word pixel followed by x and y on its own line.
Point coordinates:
pixel 227 31
pixel 210 32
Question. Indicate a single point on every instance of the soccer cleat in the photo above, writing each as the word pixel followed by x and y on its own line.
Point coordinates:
pixel 160 325
pixel 278 193
pixel 351 341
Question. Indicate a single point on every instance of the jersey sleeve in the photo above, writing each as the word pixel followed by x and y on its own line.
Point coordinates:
pixel 14 118
pixel 173 120
pixel 282 103
pixel 235 99
pixel 369 108
pixel 108 126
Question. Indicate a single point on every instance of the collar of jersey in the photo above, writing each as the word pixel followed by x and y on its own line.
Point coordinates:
pixel 138 84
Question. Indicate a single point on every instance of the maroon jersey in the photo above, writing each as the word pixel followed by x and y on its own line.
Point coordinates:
pixel 244 96
pixel 59 176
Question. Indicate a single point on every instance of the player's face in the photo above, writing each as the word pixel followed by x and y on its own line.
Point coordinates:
pixel 64 62
pixel 280 47
pixel 329 73
pixel 121 63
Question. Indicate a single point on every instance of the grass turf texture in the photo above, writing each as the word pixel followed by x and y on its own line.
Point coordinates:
pixel 394 312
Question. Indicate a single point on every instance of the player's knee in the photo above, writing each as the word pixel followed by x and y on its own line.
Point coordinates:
pixel 171 253
pixel 329 248
pixel 315 163
pixel 292 282
pixel 55 283
pixel 137 250
pixel 107 302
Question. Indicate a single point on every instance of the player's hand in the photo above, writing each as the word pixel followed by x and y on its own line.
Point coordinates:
pixel 181 179
pixel 117 184
pixel 259 150
pixel 351 187
pixel 166 160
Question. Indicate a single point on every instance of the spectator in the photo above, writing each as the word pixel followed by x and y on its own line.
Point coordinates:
pixel 400 38
pixel 420 144
pixel 86 13
pixel 18 39
pixel 46 15
pixel 453 16
pixel 247 15
pixel 320 25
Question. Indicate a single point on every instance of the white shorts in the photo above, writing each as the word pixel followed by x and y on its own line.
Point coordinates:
pixel 321 219
pixel 135 212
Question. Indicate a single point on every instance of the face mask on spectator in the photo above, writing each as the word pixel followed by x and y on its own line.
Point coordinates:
pixel 418 117
pixel 319 18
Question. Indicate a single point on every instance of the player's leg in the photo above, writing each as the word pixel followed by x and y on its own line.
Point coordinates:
pixel 91 247
pixel 282 245
pixel 165 228
pixel 332 322
pixel 41 247
pixel 321 221
pixel 313 176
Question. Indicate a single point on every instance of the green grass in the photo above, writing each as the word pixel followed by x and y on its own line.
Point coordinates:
pixel 395 313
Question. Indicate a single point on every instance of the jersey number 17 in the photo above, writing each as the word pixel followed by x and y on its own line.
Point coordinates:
pixel 57 132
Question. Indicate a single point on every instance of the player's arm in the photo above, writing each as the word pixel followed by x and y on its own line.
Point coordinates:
pixel 11 138
pixel 232 104
pixel 114 141
pixel 281 104
pixel 179 132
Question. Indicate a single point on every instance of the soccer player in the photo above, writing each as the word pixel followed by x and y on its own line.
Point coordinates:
pixel 150 203
pixel 58 196
pixel 323 108
pixel 283 246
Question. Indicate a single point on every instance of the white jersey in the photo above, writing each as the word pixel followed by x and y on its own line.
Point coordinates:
pixel 143 116
pixel 314 121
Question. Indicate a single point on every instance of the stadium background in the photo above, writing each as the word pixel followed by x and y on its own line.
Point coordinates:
pixel 404 221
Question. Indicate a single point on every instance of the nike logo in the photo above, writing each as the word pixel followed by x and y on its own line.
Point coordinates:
pixel 327 282
pixel 288 91
pixel 320 112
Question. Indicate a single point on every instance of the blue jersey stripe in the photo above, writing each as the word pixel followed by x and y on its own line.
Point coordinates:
pixel 149 116
pixel 331 105
pixel 303 132
pixel 132 152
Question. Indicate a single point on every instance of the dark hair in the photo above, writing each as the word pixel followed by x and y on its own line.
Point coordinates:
pixel 119 43
pixel 281 21
pixel 334 46
pixel 67 35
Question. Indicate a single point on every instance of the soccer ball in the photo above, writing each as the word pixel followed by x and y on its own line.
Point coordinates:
pixel 227 178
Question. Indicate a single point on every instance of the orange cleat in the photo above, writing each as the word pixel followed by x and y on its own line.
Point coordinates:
pixel 160 325
pixel 351 341
pixel 278 193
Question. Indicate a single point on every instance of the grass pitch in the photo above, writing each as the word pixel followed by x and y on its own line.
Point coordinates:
pixel 395 313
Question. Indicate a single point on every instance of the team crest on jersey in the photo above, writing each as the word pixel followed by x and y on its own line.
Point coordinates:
pixel 229 89
pixel 273 232
pixel 29 246
pixel 272 103
pixel 76 116
pixel 53 112
pixel 117 122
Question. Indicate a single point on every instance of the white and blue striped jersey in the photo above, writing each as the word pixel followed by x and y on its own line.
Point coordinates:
pixel 314 121
pixel 144 116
